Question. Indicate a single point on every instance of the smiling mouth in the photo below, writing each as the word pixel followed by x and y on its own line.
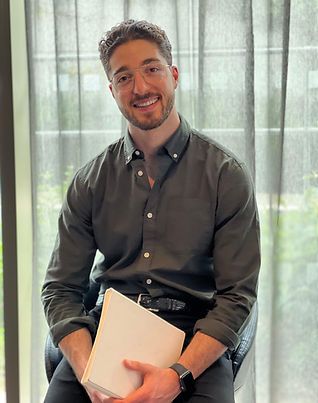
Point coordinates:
pixel 145 103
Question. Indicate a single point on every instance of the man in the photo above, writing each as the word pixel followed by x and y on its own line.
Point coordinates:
pixel 174 215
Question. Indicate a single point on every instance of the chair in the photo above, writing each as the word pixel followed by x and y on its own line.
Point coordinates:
pixel 242 357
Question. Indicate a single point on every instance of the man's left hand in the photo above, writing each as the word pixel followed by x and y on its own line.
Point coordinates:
pixel 160 385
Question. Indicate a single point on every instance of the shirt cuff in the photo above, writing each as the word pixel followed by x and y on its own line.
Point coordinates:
pixel 69 325
pixel 218 331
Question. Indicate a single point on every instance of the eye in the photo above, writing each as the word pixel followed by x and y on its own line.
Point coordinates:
pixel 153 69
pixel 123 79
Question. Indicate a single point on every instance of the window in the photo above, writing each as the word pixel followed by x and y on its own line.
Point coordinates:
pixel 227 88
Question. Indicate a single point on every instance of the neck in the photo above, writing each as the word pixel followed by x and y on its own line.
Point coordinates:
pixel 149 141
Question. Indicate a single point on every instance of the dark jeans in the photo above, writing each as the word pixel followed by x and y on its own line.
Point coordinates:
pixel 215 385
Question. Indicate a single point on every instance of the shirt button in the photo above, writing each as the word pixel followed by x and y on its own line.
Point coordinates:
pixel 137 152
pixel 146 255
pixel 175 155
pixel 148 281
pixel 140 173
pixel 149 215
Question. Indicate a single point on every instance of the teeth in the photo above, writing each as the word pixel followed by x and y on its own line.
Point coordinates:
pixel 147 103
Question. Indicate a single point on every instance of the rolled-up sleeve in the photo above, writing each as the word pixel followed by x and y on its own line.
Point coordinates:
pixel 236 256
pixel 67 277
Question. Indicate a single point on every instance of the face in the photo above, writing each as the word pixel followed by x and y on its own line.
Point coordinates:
pixel 146 104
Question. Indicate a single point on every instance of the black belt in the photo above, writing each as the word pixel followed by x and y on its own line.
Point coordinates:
pixel 159 304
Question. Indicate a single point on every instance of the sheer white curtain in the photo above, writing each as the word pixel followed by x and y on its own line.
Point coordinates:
pixel 249 79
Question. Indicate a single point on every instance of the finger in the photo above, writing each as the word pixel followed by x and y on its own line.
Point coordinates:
pixel 98 397
pixel 138 396
pixel 138 366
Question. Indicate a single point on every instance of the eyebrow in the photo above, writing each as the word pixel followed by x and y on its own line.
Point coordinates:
pixel 145 62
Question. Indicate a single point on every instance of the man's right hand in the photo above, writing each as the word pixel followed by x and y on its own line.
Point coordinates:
pixel 97 397
pixel 76 348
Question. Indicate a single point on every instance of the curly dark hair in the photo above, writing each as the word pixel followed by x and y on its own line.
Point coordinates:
pixel 130 30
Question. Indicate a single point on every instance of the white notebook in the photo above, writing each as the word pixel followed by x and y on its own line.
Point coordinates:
pixel 127 330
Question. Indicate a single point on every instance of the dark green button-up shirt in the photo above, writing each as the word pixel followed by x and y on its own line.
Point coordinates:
pixel 193 235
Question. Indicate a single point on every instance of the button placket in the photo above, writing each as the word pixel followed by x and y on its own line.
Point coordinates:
pixel 149 226
pixel 149 221
pixel 140 174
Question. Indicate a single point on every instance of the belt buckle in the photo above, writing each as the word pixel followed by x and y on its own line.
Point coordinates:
pixel 139 302
pixel 139 298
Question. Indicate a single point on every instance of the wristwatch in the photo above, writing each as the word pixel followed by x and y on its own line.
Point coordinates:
pixel 185 378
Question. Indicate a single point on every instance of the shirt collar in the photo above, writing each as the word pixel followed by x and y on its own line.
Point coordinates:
pixel 174 146
pixel 129 148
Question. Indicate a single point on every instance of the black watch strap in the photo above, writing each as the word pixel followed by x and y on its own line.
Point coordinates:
pixel 185 378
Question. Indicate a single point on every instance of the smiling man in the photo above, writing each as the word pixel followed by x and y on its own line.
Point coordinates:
pixel 174 215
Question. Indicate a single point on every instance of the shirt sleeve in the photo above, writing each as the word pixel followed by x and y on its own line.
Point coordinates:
pixel 67 277
pixel 236 256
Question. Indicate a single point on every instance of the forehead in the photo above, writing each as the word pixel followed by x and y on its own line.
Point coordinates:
pixel 133 54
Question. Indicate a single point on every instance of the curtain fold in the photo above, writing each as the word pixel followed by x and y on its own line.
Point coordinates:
pixel 249 126
pixel 249 79
pixel 274 351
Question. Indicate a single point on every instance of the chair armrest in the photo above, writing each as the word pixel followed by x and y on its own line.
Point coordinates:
pixel 247 339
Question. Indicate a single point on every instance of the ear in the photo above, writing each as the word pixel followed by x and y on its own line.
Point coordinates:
pixel 175 74
pixel 111 89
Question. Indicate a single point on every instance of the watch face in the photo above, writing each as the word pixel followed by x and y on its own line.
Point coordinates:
pixel 186 379
pixel 187 383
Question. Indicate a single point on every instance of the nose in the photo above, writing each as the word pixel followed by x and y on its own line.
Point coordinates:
pixel 140 85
